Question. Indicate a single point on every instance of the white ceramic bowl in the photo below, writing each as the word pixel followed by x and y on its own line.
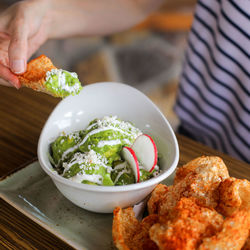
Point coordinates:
pixel 96 101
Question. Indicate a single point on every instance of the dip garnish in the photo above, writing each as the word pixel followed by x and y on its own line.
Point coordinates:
pixel 94 155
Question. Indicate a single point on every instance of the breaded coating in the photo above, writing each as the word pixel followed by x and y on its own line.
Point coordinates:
pixel 204 209
pixel 233 235
pixel 183 171
pixel 141 239
pixel 234 194
pixel 35 75
pixel 247 243
pixel 185 225
pixel 201 183
pixel 156 196
pixel 125 226
pixel 129 233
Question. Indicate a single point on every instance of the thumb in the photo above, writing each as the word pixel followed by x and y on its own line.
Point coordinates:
pixel 18 49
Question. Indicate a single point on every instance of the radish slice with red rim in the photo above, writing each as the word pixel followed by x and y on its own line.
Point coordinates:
pixel 146 151
pixel 129 155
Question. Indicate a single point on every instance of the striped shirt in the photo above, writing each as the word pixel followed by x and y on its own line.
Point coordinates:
pixel 213 101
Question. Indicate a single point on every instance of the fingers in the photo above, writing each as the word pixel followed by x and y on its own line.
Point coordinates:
pixel 4 35
pixel 36 41
pixel 18 48
pixel 9 77
pixel 5 83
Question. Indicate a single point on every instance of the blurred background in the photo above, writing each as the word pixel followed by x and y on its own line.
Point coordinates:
pixel 148 56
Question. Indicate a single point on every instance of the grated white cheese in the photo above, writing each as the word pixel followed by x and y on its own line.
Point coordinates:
pixel 109 143
pixel 85 160
pixel 62 84
pixel 108 123
pixel 123 168
pixel 96 178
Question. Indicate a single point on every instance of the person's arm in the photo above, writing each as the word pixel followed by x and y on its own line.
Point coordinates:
pixel 97 17
pixel 28 24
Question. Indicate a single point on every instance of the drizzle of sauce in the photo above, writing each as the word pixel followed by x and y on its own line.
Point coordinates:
pixel 62 83
pixel 123 169
pixel 109 143
pixel 107 123
pixel 87 160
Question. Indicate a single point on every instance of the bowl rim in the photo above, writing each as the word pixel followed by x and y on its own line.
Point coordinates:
pixel 153 181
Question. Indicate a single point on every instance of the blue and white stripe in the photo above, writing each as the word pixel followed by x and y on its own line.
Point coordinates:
pixel 213 102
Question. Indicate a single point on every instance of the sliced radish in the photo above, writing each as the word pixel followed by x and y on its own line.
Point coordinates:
pixel 146 151
pixel 129 155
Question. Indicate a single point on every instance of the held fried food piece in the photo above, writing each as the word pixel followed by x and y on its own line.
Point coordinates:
pixel 234 194
pixel 42 75
pixel 156 196
pixel 233 235
pixel 185 225
pixel 201 181
pixel 129 233
pixel 34 77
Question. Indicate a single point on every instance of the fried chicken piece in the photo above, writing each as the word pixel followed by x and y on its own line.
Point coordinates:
pixel 185 225
pixel 234 194
pixel 35 75
pixel 233 235
pixel 201 182
pixel 129 233
pixel 125 226
pixel 247 243
pixel 156 196
pixel 183 171
pixel 142 240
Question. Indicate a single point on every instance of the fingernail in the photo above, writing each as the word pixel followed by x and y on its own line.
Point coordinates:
pixel 18 66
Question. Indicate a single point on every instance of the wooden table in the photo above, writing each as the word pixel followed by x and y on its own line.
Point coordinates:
pixel 22 116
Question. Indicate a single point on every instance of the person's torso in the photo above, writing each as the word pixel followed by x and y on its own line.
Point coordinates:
pixel 213 102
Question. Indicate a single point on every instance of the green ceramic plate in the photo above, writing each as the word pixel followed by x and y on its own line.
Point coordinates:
pixel 33 193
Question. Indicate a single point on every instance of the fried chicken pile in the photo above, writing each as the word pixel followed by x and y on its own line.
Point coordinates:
pixel 204 209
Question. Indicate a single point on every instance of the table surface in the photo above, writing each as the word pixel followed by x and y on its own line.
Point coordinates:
pixel 22 116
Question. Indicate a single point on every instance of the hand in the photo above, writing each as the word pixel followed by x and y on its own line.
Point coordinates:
pixel 23 29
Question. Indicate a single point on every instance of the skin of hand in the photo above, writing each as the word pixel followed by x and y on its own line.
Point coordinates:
pixel 23 28
pixel 26 25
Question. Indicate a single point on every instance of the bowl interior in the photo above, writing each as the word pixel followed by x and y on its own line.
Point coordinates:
pixel 102 99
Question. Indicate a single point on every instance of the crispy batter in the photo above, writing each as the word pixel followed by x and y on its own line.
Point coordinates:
pixel 247 243
pixel 35 75
pixel 185 225
pixel 141 239
pixel 234 194
pixel 189 214
pixel 233 235
pixel 183 171
pixel 129 233
pixel 201 182
pixel 156 196
pixel 125 226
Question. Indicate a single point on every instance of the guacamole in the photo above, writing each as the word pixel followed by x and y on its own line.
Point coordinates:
pixel 93 155
pixel 62 83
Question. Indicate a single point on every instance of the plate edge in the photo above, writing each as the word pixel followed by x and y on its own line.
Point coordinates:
pixel 40 223
pixel 27 214
pixel 15 170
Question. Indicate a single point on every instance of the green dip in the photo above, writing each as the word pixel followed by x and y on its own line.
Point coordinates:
pixel 93 156
pixel 62 83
